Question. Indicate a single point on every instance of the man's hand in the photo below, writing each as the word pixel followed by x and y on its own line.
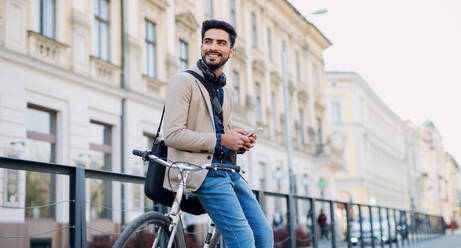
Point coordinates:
pixel 236 139
pixel 252 138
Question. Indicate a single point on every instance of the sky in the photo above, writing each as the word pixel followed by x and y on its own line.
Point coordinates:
pixel 408 51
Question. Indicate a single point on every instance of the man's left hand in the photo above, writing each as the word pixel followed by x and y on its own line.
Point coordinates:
pixel 247 145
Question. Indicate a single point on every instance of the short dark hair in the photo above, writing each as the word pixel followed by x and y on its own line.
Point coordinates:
pixel 217 24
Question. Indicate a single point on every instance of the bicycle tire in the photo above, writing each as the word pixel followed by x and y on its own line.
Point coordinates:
pixel 149 218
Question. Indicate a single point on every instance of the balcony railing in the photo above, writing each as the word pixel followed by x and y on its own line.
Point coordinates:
pixel 344 223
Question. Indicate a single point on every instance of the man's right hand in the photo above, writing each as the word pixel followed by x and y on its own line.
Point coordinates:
pixel 236 139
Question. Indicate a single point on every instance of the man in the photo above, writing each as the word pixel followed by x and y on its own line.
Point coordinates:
pixel 195 133
pixel 322 221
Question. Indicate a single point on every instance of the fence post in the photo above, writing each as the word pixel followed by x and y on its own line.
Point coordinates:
pixel 395 229
pixel 291 220
pixel 370 213
pixel 389 231
pixel 77 219
pixel 332 218
pixel 315 242
pixel 362 245
pixel 348 225
pixel 380 228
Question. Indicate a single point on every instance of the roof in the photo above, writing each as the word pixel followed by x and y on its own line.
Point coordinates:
pixel 454 160
pixel 308 22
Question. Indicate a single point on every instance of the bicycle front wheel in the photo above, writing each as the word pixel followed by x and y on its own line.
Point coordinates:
pixel 147 229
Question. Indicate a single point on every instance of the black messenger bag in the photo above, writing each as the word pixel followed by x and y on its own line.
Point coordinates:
pixel 153 187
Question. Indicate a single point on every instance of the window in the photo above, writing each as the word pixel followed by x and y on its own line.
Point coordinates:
pixel 236 83
pixel 315 69
pixel 336 112
pixel 259 116
pixel 278 176
pixel 40 146
pixel 45 18
pixel 284 59
pixel 254 29
pixel 149 43
pixel 306 181
pixel 319 131
pixel 262 175
pixel 101 29
pixel 298 67
pixel 101 159
pixel 11 186
pixel 136 194
pixel 148 142
pixel 274 109
pixel 233 17
pixel 183 55
pixel 301 126
pixel 269 43
pixel 209 8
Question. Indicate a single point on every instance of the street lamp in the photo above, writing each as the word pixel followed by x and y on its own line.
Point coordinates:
pixel 287 123
pixel 320 12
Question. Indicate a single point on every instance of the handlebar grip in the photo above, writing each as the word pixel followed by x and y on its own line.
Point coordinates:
pixel 217 166
pixel 138 152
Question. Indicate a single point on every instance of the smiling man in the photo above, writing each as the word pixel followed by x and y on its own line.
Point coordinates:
pixel 199 131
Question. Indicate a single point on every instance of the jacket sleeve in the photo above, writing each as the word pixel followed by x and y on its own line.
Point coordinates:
pixel 176 134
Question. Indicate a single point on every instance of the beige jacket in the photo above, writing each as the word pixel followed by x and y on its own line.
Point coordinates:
pixel 189 129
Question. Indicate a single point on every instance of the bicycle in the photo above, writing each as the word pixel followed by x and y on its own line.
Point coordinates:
pixel 167 229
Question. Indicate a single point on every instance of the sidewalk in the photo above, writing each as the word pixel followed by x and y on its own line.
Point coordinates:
pixel 447 241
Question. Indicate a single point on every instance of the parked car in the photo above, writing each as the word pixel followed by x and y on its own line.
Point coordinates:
pixel 379 234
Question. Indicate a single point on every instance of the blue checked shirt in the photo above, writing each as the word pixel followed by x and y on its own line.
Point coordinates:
pixel 221 154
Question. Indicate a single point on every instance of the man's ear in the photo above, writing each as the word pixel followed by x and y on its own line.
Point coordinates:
pixel 231 52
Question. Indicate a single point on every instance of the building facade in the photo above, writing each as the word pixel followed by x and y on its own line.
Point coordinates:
pixel 374 143
pixel 388 162
pixel 74 90
pixel 438 177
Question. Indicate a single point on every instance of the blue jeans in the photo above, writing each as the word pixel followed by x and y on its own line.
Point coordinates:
pixel 234 209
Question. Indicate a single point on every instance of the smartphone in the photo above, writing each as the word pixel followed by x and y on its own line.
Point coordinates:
pixel 256 130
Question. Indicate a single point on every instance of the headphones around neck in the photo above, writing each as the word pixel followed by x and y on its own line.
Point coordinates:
pixel 211 75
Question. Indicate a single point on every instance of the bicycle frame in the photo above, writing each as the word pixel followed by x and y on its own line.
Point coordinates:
pixel 175 215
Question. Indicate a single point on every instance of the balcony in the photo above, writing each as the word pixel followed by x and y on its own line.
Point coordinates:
pixel 48 50
pixel 105 71
pixel 154 85
pixel 331 154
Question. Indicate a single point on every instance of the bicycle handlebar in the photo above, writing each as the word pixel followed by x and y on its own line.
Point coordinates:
pixel 147 156
pixel 138 152
pixel 225 167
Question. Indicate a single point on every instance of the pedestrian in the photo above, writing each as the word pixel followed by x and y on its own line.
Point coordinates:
pixel 452 226
pixel 322 221
pixel 277 221
pixel 198 130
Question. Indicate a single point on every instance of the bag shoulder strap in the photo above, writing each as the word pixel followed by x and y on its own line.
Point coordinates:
pixel 214 98
pixel 160 125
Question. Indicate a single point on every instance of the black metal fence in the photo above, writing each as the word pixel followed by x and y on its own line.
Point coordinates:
pixel 319 222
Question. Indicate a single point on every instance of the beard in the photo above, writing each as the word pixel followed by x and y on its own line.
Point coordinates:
pixel 216 63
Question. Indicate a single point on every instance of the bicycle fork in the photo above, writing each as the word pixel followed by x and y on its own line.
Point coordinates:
pixel 174 214
pixel 210 235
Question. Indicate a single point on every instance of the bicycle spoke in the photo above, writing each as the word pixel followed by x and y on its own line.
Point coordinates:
pixel 160 231
pixel 148 230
